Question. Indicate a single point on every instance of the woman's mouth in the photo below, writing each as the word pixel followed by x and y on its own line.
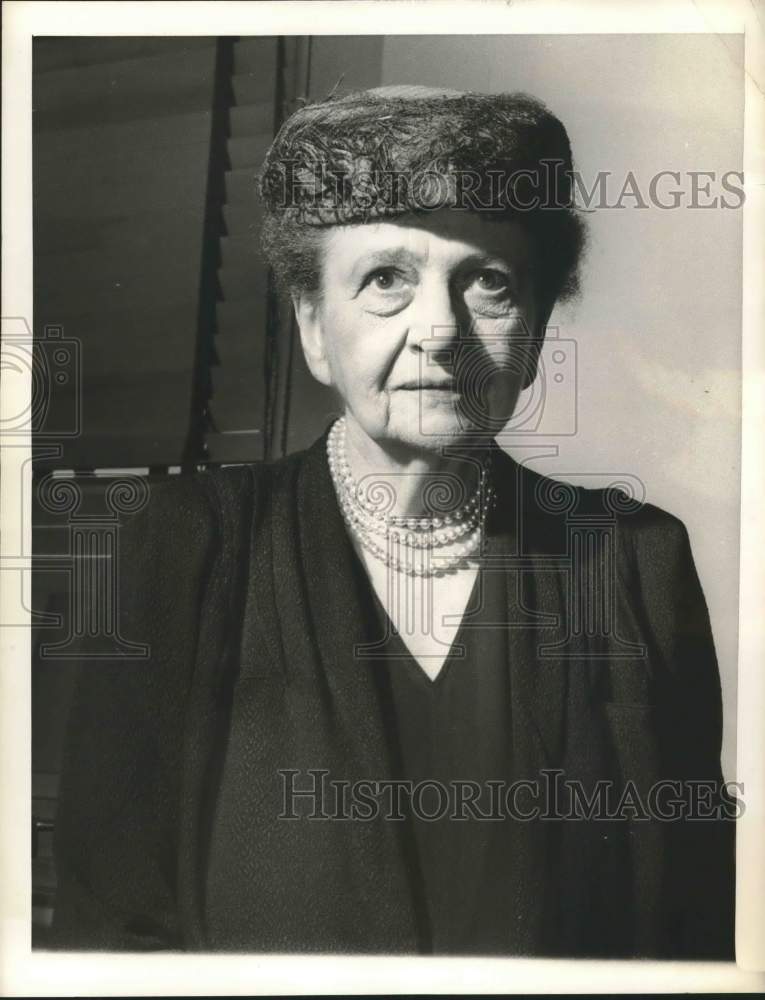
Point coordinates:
pixel 445 385
pixel 434 394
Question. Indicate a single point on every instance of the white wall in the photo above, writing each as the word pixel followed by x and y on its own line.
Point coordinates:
pixel 657 328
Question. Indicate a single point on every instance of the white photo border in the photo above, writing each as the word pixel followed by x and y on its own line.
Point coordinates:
pixel 23 972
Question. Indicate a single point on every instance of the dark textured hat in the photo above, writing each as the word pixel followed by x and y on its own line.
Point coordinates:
pixel 380 153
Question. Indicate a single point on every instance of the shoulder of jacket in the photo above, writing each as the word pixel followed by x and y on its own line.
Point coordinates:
pixel 196 508
pixel 637 522
pixel 561 496
pixel 238 485
pixel 171 503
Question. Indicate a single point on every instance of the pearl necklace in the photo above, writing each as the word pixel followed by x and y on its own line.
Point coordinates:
pixel 419 536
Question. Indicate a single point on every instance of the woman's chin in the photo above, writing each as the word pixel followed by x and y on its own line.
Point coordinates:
pixel 434 431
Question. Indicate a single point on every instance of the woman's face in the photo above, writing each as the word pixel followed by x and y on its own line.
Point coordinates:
pixel 428 327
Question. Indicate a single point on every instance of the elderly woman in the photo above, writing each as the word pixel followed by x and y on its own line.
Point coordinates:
pixel 403 694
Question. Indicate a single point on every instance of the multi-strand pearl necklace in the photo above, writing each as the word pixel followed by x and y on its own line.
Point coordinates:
pixel 419 537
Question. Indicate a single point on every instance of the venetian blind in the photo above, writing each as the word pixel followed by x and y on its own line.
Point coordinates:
pixel 121 157
pixel 150 300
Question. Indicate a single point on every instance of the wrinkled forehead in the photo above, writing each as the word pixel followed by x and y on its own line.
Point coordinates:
pixel 448 237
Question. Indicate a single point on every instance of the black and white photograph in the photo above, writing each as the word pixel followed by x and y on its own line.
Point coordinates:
pixel 382 516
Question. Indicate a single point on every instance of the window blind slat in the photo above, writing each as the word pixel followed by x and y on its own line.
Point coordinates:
pixel 105 291
pixel 57 52
pixel 108 268
pixel 242 335
pixel 239 223
pixel 120 342
pixel 118 139
pixel 144 87
pixel 250 119
pixel 240 188
pixel 176 177
pixel 256 54
pixel 150 231
pixel 243 446
pixel 249 151
pixel 121 155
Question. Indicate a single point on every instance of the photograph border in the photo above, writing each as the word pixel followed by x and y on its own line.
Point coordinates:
pixel 23 972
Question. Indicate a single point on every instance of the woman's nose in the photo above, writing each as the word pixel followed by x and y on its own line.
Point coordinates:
pixel 437 319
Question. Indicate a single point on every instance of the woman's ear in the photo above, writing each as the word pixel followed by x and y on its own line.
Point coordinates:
pixel 307 314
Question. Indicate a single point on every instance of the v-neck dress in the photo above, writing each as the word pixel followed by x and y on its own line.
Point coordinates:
pixel 450 731
pixel 241 583
pixel 454 729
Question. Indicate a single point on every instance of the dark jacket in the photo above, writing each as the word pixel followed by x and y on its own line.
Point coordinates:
pixel 245 576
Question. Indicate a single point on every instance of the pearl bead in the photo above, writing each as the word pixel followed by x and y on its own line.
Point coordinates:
pixel 367 522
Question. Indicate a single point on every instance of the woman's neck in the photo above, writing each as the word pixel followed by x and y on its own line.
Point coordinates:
pixel 414 478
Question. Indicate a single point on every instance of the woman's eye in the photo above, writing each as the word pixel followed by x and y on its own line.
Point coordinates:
pixel 386 291
pixel 490 281
pixel 384 280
